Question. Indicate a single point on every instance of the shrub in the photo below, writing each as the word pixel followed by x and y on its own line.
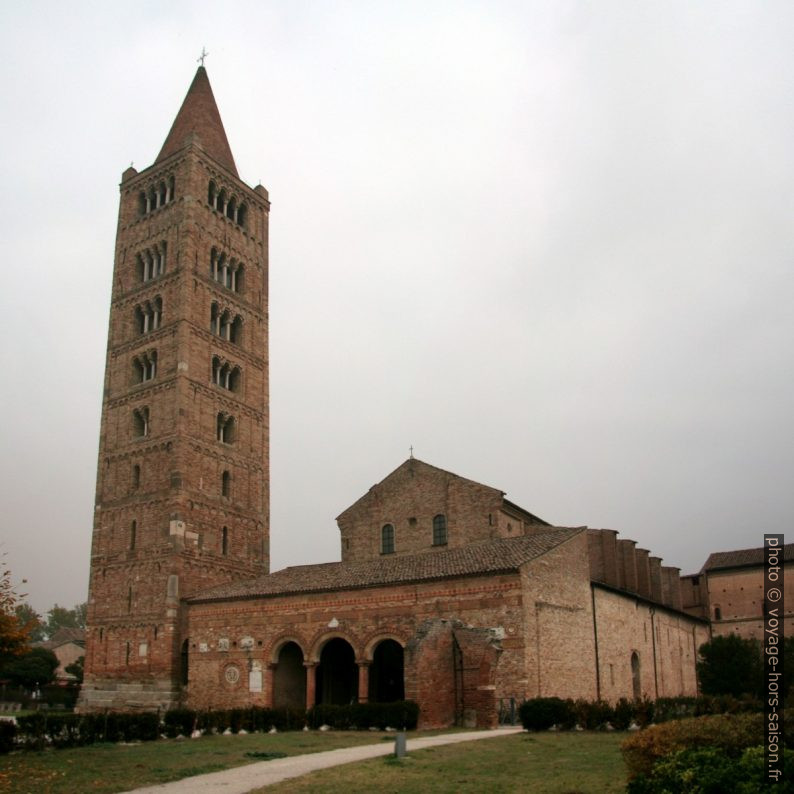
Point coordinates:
pixel 666 709
pixel 711 770
pixel 731 733
pixel 540 714
pixel 179 721
pixel 8 732
pixel 592 714
pixel 644 712
pixel 622 714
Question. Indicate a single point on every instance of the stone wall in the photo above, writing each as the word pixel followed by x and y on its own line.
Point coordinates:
pixel 420 617
pixel 665 643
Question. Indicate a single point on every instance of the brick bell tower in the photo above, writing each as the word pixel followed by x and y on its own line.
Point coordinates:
pixel 182 497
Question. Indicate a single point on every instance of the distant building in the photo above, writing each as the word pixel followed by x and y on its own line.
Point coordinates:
pixel 729 590
pixel 68 645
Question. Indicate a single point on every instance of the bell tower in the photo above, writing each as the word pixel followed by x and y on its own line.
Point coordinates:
pixel 182 494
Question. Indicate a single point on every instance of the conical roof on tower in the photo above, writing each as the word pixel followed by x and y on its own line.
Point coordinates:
pixel 199 116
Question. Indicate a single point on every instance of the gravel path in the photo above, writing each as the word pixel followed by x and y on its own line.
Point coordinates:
pixel 242 779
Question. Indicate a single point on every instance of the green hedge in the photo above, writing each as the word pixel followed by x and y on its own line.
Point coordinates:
pixel 39 730
pixel 540 714
pixel 252 719
pixel 402 714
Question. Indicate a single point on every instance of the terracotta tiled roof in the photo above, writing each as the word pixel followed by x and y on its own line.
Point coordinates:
pixel 740 558
pixel 62 637
pixel 494 556
pixel 199 116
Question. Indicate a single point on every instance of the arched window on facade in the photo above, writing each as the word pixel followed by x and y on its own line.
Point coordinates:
pixel 136 476
pixel 387 539
pixel 225 542
pixel 226 484
pixel 440 530
pixel 636 683
pixel 133 533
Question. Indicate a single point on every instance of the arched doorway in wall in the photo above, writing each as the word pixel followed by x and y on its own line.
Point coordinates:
pixel 289 678
pixel 337 674
pixel 386 673
pixel 635 676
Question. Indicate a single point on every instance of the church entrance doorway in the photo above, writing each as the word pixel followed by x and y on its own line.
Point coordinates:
pixel 337 674
pixel 289 679
pixel 386 674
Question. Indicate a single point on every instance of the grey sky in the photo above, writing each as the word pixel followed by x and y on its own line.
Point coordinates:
pixel 548 244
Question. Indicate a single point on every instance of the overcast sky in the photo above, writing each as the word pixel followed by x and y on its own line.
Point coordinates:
pixel 550 245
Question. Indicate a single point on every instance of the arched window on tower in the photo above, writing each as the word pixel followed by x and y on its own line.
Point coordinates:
pixel 242 215
pixel 133 533
pixel 144 366
pixel 440 530
pixel 387 539
pixel 140 422
pixel 226 484
pixel 149 315
pixel 225 375
pixel 226 429
pixel 136 476
pixel 225 542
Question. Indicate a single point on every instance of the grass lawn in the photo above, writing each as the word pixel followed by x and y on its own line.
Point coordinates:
pixel 541 763
pixel 565 763
pixel 115 767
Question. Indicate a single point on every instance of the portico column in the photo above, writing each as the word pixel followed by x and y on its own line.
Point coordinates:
pixel 310 683
pixel 363 680
pixel 270 689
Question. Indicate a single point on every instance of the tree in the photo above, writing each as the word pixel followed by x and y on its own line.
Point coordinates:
pixel 730 665
pixel 13 636
pixel 31 620
pixel 62 618
pixel 35 668
pixel 76 669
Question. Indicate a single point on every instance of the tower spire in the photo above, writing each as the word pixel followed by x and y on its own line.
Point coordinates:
pixel 199 117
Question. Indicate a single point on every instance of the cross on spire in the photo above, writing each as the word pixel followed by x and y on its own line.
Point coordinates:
pixel 411 448
pixel 204 54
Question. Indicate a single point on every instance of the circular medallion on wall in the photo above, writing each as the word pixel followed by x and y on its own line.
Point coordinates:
pixel 232 674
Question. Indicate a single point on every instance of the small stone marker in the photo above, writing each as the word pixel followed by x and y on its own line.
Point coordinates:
pixel 399 744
